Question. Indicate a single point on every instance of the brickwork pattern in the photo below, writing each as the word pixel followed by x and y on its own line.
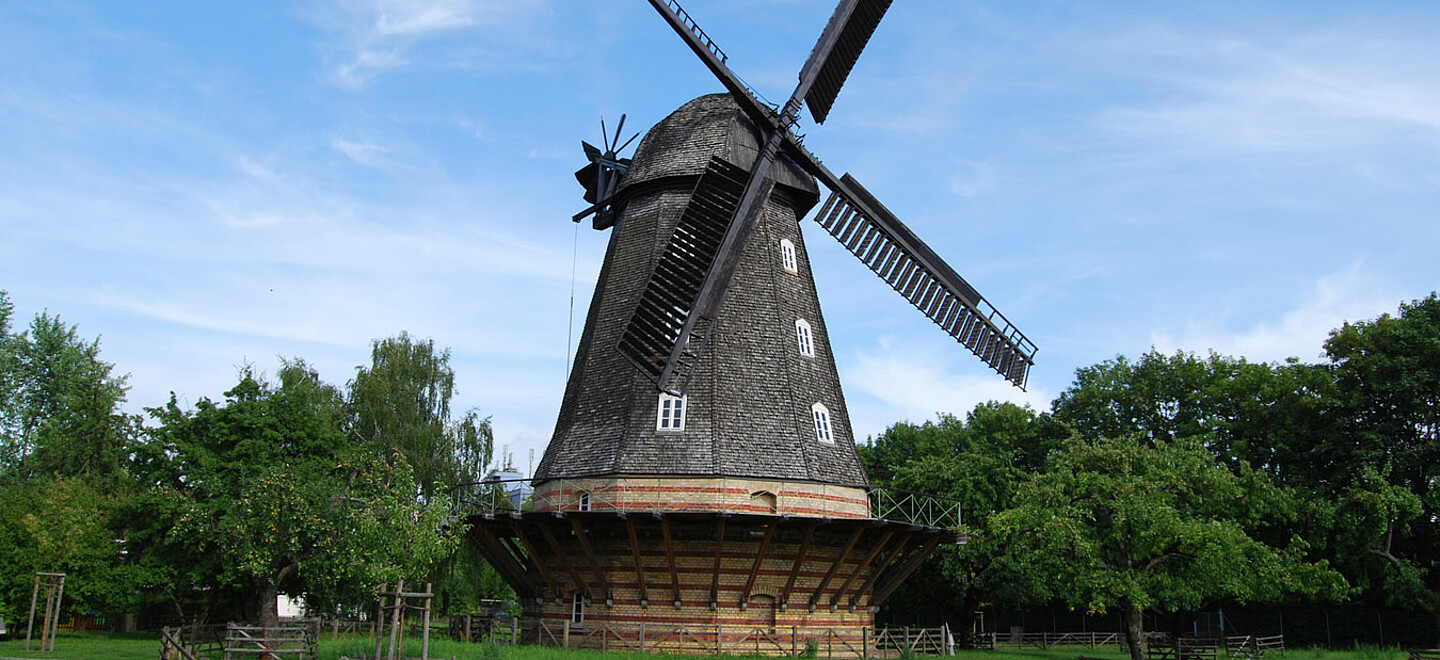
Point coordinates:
pixel 732 495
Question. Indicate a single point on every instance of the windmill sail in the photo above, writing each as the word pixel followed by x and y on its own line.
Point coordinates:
pixel 673 291
pixel 869 231
pixel 667 319
pixel 837 50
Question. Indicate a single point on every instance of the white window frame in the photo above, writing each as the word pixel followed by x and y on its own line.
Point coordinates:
pixel 577 610
pixel 823 432
pixel 670 413
pixel 583 501
pixel 787 256
pixel 805 336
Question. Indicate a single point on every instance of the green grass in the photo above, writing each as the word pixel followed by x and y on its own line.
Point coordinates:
pixel 146 646
pixel 88 646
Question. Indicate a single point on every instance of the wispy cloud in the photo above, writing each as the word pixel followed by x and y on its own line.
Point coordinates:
pixel 921 381
pixel 372 37
pixel 1305 93
pixel 1347 295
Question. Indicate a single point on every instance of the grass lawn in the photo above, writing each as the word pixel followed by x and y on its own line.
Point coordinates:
pixel 146 646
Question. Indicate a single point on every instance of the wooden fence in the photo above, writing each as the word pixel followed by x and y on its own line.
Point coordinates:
pixel 729 640
pixel 193 642
pixel 291 642
pixel 239 642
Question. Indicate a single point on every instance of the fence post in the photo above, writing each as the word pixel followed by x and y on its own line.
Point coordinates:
pixel 864 642
pixel 425 637
pixel 395 618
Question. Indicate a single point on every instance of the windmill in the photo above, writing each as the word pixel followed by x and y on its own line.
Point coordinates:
pixel 686 289
pixel 725 424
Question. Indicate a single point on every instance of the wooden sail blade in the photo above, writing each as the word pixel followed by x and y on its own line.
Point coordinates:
pixel 672 294
pixel 837 50
pixel 869 231
pixel 714 58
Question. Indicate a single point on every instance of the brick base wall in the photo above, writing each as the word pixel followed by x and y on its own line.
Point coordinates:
pixel 718 494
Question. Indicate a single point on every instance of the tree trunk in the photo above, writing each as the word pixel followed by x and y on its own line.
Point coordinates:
pixel 266 593
pixel 1134 629
pixel 968 605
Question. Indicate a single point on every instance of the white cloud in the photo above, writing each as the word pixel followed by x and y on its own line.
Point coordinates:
pixel 368 154
pixel 376 36
pixel 1346 295
pixel 914 382
pixel 1306 93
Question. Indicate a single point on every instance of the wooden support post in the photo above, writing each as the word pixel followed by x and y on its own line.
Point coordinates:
pixel 639 569
pixel 860 568
pixel 715 574
pixel 34 595
pixel 670 559
pixel 795 570
pixel 755 568
pixel 380 623
pixel 580 584
pixel 884 590
pixel 425 638
pixel 55 621
pixel 538 561
pixel 594 561
pixel 880 568
pixel 830 574
pixel 395 619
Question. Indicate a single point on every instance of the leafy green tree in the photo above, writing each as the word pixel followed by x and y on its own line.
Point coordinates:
pixel 1269 415
pixel 980 462
pixel 1130 525
pixel 268 492
pixel 1388 453
pixel 59 403
pixel 401 403
pixel 65 525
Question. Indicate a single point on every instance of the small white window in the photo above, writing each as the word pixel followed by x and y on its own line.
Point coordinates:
pixel 584 500
pixel 822 423
pixel 787 256
pixel 577 610
pixel 671 415
pixel 803 335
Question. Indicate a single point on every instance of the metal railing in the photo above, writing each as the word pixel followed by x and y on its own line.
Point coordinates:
pixel 706 494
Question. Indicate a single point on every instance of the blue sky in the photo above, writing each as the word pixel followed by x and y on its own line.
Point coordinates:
pixel 208 184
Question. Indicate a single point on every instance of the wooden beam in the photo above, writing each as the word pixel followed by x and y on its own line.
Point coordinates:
pixel 564 561
pixel 875 550
pixel 884 564
pixel 502 560
pixel 715 574
pixel 755 569
pixel 844 554
pixel 594 561
pixel 537 559
pixel 887 587
pixel 795 570
pixel 639 567
pixel 670 559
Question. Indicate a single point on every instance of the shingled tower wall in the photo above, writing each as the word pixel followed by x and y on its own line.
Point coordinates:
pixel 749 402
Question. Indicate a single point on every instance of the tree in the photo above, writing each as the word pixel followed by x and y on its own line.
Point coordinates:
pixel 66 525
pixel 1269 415
pixel 268 491
pixel 59 402
pixel 980 462
pixel 1388 376
pixel 1121 523
pixel 401 403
